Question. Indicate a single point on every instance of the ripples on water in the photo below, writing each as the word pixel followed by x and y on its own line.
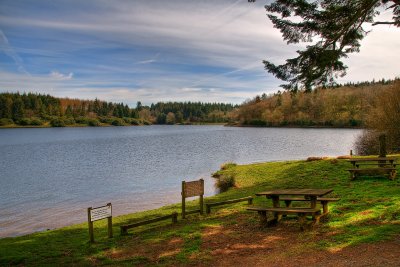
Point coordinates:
pixel 50 176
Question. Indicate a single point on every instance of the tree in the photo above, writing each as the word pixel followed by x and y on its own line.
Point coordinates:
pixel 335 29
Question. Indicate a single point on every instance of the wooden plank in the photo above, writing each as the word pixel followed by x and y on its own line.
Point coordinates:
pixel 372 170
pixel 372 159
pixel 173 216
pixel 303 199
pixel 303 192
pixel 249 199
pixel 286 210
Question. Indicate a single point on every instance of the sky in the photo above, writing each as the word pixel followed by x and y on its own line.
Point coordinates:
pixel 158 50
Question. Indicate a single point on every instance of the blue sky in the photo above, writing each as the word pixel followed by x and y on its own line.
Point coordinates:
pixel 157 50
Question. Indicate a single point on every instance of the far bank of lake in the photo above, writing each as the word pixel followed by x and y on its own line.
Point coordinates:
pixel 51 175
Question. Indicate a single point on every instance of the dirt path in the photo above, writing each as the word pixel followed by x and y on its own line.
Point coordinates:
pixel 285 246
pixel 248 245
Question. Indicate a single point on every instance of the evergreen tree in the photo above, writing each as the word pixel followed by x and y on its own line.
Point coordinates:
pixel 335 29
pixel 17 108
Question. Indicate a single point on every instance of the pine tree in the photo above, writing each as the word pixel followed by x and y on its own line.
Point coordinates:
pixel 335 29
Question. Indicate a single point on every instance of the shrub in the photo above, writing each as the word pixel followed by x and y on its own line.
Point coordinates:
pixel 5 121
pixel 57 122
pixel 145 122
pixel 118 122
pixel 68 120
pixel 24 121
pixel 228 165
pixel 368 143
pixel 225 181
pixel 82 120
pixel 36 122
pixel 93 122
pixel 135 122
pixel 106 120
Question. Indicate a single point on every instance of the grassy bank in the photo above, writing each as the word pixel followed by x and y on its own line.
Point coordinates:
pixel 369 211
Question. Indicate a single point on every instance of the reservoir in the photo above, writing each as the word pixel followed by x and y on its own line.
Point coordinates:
pixel 50 176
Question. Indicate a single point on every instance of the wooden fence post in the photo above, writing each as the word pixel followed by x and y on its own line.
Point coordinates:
pixel 201 197
pixel 183 200
pixel 382 146
pixel 91 235
pixel 109 224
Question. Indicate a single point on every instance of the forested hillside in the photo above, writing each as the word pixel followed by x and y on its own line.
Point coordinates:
pixel 343 106
pixel 44 110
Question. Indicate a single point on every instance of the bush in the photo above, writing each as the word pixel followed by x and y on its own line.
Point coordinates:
pixel 135 122
pixel 106 120
pixel 384 118
pixel 118 122
pixel 145 122
pixel 5 121
pixel 68 120
pixel 368 143
pixel 228 165
pixel 225 181
pixel 93 122
pixel 127 120
pixel 57 122
pixel 36 122
pixel 82 120
pixel 24 121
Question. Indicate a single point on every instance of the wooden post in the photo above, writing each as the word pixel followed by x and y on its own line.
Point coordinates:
pixel 109 224
pixel 351 153
pixel 201 197
pixel 183 200
pixel 275 203
pixel 174 217
pixel 382 146
pixel 91 235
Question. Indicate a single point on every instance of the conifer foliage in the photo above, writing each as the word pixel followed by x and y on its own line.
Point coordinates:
pixel 334 29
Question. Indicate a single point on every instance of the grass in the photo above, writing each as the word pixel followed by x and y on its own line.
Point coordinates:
pixel 369 211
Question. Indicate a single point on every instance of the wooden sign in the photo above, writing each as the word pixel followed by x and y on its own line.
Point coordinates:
pixel 191 189
pixel 194 188
pixel 99 213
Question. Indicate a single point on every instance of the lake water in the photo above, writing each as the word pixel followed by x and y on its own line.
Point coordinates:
pixel 48 177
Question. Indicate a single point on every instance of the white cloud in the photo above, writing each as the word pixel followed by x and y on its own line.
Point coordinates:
pixel 59 76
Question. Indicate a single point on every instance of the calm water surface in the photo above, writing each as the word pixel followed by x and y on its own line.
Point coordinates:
pixel 48 177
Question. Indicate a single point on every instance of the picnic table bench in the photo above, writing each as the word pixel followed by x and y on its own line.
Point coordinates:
pixel 380 166
pixel 300 212
pixel 311 195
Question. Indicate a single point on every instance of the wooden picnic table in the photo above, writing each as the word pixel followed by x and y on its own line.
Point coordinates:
pixel 311 195
pixel 373 161
pixel 373 166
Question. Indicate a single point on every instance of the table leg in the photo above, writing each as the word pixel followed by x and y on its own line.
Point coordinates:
pixel 275 203
pixel 313 200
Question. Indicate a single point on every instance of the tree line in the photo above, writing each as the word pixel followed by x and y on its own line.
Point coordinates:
pixel 345 106
pixel 30 109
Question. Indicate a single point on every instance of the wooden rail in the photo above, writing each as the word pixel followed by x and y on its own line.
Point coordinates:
pixel 209 205
pixel 173 216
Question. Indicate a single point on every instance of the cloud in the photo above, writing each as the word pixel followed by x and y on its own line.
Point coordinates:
pixel 149 51
pixel 9 51
pixel 59 76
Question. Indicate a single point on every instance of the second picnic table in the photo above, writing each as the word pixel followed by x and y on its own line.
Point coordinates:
pixel 311 195
pixel 373 166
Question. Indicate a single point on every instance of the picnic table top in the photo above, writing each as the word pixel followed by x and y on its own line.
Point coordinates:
pixel 372 159
pixel 296 192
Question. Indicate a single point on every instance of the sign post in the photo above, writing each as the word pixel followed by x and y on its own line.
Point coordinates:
pixel 191 189
pixel 99 213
